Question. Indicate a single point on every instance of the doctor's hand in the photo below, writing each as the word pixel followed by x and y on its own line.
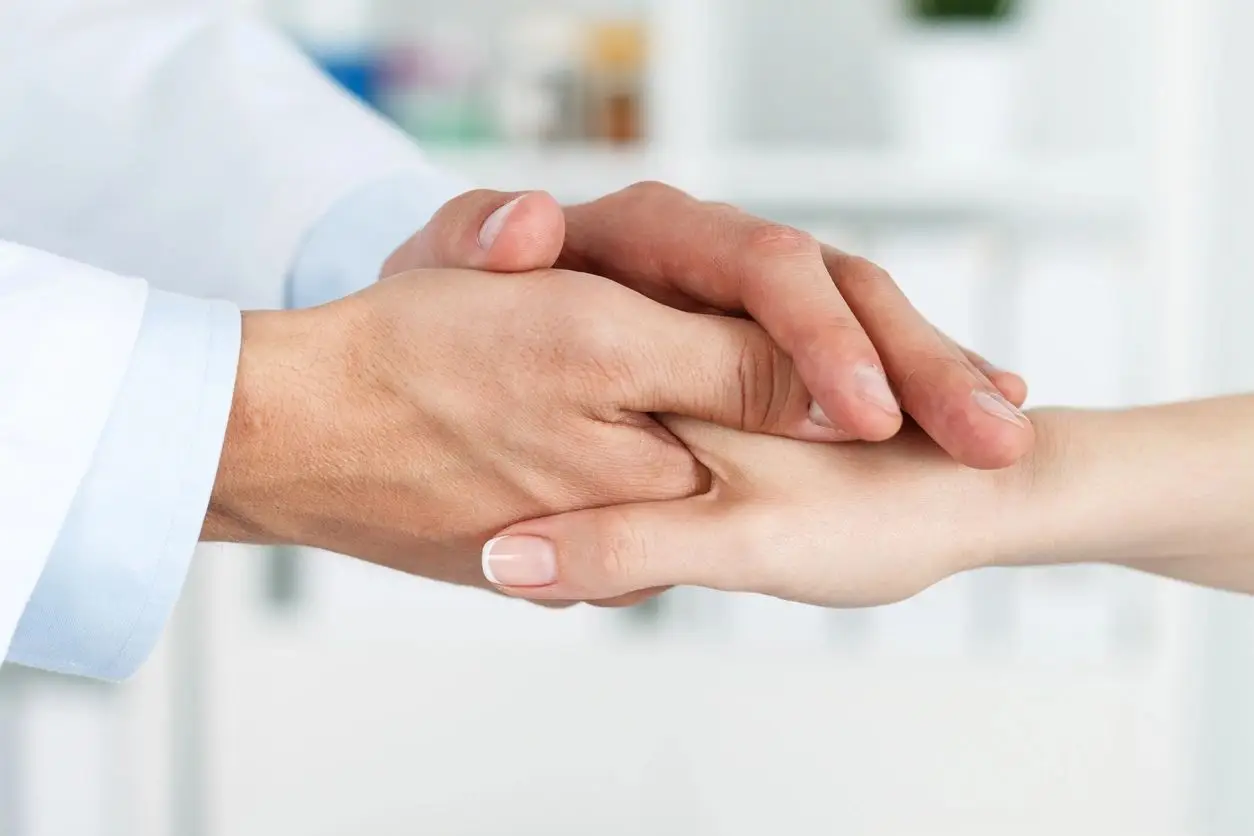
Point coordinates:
pixel 858 343
pixel 408 423
pixel 847 525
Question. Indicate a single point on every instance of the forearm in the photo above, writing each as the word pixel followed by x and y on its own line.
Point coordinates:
pixel 1167 489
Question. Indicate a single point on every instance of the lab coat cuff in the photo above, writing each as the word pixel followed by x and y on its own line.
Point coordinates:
pixel 345 250
pixel 122 557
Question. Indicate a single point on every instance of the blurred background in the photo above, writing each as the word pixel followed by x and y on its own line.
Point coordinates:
pixel 1063 184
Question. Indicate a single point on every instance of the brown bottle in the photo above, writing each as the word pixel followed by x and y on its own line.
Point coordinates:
pixel 616 79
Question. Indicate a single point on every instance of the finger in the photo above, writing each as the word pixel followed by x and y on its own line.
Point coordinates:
pixel 612 554
pixel 786 288
pixel 722 370
pixel 1011 386
pixel 1014 387
pixel 669 245
pixel 952 401
pixel 486 230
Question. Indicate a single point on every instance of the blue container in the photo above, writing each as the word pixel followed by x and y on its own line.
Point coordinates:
pixel 359 74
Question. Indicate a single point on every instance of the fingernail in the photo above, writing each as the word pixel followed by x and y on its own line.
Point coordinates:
pixel 819 417
pixel 872 386
pixel 492 227
pixel 520 561
pixel 997 406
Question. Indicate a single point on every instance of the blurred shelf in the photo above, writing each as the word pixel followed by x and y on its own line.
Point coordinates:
pixel 860 184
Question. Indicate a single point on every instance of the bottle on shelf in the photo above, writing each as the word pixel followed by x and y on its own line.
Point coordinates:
pixel 616 70
pixel 539 83
pixel 433 83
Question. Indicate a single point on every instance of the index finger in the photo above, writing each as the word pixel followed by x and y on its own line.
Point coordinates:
pixel 953 401
pixel 679 250
pixel 719 369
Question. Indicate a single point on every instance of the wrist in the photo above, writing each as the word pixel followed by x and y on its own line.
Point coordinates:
pixel 1033 494
pixel 266 436
pixel 1060 503
pixel 1131 487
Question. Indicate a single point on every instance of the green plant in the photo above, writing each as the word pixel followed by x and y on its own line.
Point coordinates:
pixel 942 10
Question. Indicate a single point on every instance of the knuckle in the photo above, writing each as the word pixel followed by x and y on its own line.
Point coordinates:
pixel 765 377
pixel 857 271
pixel 661 469
pixel 621 554
pixel 651 190
pixel 838 334
pixel 594 343
pixel 927 374
pixel 722 208
pixel 586 363
pixel 773 240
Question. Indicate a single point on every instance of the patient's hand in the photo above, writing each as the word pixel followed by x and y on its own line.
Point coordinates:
pixel 836 525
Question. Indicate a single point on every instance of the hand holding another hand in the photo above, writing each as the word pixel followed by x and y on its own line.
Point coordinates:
pixel 408 423
pixel 858 343
pixel 844 525
pixel 712 258
pixel 424 414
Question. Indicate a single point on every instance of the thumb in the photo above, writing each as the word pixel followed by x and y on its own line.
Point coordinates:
pixel 605 553
pixel 485 230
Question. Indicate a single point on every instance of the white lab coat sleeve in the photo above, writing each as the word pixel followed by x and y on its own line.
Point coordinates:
pixel 180 141
pixel 121 557
pixel 66 337
pixel 346 249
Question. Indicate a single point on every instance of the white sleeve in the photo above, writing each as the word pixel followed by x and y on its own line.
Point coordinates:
pixel 178 140
pixel 66 337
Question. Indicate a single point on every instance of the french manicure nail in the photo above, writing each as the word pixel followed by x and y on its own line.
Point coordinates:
pixel 519 560
pixel 994 404
pixel 872 386
pixel 492 227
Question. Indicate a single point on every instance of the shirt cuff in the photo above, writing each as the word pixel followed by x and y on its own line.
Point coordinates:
pixel 346 248
pixel 122 556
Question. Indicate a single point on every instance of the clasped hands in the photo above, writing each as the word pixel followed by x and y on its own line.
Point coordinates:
pixel 640 392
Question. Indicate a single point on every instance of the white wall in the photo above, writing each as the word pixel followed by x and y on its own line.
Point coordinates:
pixel 341 727
pixel 1225 800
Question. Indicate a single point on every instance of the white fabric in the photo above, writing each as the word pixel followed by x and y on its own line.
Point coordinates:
pixel 176 140
pixel 66 334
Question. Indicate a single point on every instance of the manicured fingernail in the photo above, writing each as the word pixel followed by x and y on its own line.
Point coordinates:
pixel 994 404
pixel 492 227
pixel 872 386
pixel 520 561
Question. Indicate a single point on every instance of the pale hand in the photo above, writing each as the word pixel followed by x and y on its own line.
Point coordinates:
pixel 839 525
pixel 1164 489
